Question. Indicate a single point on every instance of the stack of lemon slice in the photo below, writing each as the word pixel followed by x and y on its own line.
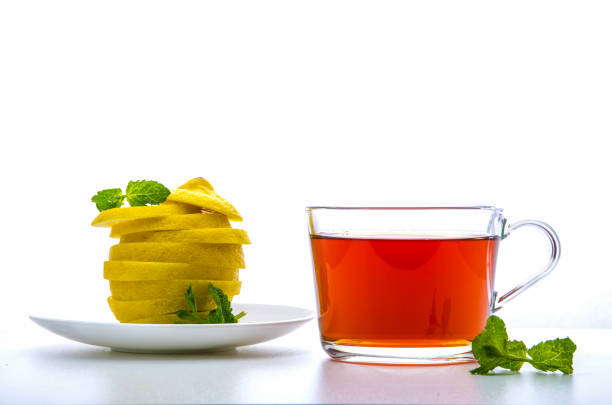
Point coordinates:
pixel 164 249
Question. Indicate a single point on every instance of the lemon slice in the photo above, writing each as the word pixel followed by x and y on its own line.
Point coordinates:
pixel 195 253
pixel 140 271
pixel 114 215
pixel 208 201
pixel 126 311
pixel 200 193
pixel 171 223
pixel 166 318
pixel 210 235
pixel 199 184
pixel 146 290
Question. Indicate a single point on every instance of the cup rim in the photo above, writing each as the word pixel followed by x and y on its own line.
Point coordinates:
pixel 405 208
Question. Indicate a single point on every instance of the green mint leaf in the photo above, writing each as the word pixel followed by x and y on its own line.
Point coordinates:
pixel 515 349
pixel 146 192
pixel 553 355
pixel 190 297
pixel 192 315
pixel 217 315
pixel 107 199
pixel 188 316
pixel 138 193
pixel 490 345
pixel 492 349
pixel 481 370
pixel 222 314
pixel 494 335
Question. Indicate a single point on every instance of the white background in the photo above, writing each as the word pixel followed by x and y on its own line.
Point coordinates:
pixel 283 104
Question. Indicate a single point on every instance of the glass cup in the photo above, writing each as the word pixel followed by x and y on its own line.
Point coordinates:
pixel 409 285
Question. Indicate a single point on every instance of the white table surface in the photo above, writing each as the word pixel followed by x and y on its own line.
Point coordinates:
pixel 39 368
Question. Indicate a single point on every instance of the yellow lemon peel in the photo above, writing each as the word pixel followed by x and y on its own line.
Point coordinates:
pixel 199 184
pixel 211 235
pixel 126 311
pixel 146 290
pixel 121 270
pixel 115 215
pixel 200 193
pixel 195 253
pixel 199 220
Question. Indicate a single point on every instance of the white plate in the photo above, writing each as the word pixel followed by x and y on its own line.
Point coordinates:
pixel 262 323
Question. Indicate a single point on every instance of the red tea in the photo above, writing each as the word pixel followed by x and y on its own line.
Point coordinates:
pixel 389 292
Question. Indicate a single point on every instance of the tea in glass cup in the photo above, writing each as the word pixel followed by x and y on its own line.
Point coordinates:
pixel 411 285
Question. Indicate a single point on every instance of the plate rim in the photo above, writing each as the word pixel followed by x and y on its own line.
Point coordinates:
pixel 310 316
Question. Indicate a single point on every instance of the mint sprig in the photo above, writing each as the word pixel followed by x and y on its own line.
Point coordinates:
pixel 109 198
pixel 143 192
pixel 492 349
pixel 553 355
pixel 222 314
pixel 137 193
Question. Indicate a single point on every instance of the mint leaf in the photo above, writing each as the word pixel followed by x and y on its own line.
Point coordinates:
pixel 190 317
pixel 554 355
pixel 146 192
pixel 492 349
pixel 107 199
pixel 494 335
pixel 490 345
pixel 138 193
pixel 222 314
pixel 191 299
pixel 217 315
pixel 517 349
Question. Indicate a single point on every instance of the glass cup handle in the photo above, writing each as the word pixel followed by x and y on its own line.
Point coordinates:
pixel 555 252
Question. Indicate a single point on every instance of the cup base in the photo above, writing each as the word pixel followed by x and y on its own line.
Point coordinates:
pixel 399 355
